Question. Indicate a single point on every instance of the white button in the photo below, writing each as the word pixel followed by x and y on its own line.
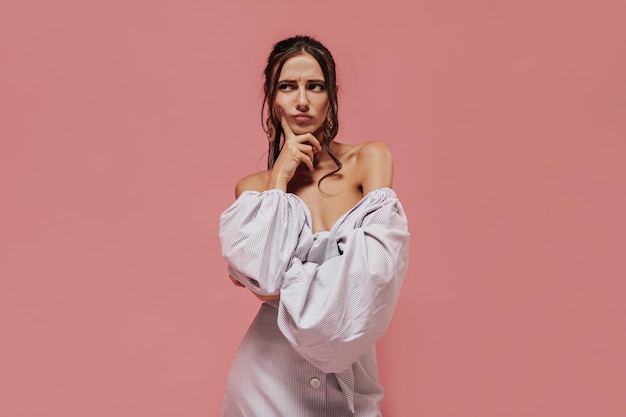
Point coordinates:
pixel 315 383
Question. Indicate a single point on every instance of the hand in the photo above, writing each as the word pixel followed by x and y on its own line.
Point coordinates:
pixel 259 296
pixel 237 283
pixel 298 149
pixel 265 298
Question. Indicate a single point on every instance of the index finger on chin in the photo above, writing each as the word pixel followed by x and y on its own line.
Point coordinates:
pixel 285 125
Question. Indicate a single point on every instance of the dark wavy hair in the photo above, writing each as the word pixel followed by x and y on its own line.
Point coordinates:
pixel 281 52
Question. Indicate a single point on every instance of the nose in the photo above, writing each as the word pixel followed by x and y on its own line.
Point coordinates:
pixel 303 102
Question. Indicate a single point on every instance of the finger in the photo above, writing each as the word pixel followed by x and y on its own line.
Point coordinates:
pixel 313 141
pixel 306 157
pixel 308 139
pixel 307 148
pixel 237 283
pixel 310 152
pixel 267 297
pixel 285 125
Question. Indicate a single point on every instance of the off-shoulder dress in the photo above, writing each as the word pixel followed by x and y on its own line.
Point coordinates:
pixel 312 352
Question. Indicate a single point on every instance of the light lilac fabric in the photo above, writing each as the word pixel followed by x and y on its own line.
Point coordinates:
pixel 312 353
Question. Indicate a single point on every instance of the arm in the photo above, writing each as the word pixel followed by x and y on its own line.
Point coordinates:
pixel 333 311
pixel 258 240
pixel 297 149
pixel 260 233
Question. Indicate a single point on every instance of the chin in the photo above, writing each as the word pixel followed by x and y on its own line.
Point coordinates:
pixel 303 130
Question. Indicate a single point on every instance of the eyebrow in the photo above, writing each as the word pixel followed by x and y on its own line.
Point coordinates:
pixel 308 81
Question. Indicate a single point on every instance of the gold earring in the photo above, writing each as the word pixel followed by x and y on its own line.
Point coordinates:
pixel 329 122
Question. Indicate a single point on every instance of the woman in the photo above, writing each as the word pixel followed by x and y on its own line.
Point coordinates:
pixel 322 239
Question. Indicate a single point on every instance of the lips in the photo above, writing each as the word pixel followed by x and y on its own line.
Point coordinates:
pixel 302 118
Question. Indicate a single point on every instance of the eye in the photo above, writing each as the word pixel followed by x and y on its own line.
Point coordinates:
pixel 285 87
pixel 316 87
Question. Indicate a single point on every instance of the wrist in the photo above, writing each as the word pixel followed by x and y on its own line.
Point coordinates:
pixel 276 182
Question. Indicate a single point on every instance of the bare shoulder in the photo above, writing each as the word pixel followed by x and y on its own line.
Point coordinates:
pixel 253 182
pixel 375 151
pixel 376 162
pixel 370 151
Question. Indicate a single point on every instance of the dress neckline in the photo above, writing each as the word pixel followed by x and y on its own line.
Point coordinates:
pixel 339 221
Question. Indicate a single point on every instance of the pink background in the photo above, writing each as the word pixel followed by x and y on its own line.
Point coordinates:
pixel 124 126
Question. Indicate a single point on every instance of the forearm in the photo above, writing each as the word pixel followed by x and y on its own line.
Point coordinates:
pixel 334 311
pixel 260 234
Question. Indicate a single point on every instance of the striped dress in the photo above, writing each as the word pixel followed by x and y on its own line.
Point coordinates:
pixel 312 353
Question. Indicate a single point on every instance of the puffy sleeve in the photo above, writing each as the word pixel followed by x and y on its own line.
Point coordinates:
pixel 333 310
pixel 260 234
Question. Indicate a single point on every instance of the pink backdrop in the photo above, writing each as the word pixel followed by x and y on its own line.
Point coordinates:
pixel 125 124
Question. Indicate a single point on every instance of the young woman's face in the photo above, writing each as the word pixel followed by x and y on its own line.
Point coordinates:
pixel 301 94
